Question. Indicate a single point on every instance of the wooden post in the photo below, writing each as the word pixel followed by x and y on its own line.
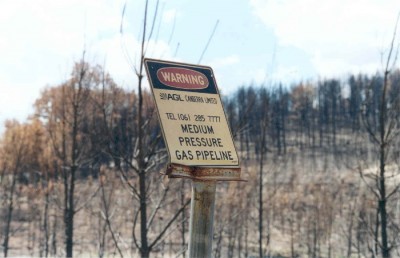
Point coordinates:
pixel 202 218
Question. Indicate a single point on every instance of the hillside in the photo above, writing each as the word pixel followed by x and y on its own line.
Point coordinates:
pixel 85 170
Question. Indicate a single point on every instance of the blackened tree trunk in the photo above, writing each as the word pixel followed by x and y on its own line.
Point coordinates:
pixel 10 209
pixel 383 145
pixel 263 142
pixel 144 247
pixel 46 221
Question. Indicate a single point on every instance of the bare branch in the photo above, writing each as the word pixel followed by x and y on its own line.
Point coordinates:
pixel 154 22
pixel 208 42
pixel 108 217
pixel 169 224
pixel 371 188
pixel 126 181
pixel 123 45
pixel 391 49
pixel 395 190
pixel 83 205
pixel 176 49
pixel 158 206
pixel 172 31
pixel 133 231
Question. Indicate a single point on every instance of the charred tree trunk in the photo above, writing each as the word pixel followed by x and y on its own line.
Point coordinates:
pixel 10 209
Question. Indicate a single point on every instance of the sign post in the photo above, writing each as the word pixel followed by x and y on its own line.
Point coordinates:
pixel 198 139
pixel 202 218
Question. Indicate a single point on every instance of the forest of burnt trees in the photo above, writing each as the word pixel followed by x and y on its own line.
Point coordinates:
pixel 82 175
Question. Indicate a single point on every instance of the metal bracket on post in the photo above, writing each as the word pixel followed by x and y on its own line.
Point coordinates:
pixel 204 173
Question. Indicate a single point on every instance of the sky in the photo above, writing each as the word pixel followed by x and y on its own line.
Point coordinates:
pixel 249 42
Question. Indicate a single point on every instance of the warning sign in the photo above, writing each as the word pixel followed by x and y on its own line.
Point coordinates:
pixel 192 117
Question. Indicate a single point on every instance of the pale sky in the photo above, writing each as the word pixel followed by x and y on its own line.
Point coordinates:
pixel 255 41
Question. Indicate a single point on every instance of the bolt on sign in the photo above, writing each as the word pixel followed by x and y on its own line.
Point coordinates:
pixel 191 114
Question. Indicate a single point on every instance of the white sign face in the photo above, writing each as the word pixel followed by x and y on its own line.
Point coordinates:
pixel 192 117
